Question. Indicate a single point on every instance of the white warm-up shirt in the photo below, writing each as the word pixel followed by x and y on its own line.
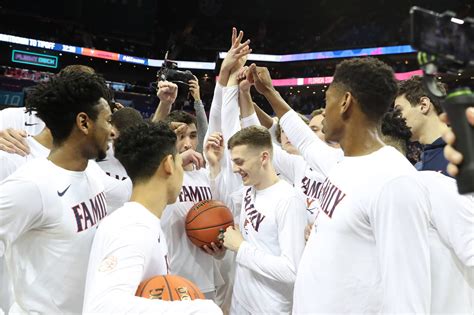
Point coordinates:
pixel 186 259
pixel 272 223
pixel 319 156
pixel 48 218
pixel 451 245
pixel 296 171
pixel 368 251
pixel 112 166
pixel 130 247
pixel 18 118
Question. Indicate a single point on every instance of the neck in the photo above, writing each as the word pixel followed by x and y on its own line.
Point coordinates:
pixel 151 195
pixel 269 178
pixel 361 139
pixel 432 130
pixel 68 156
pixel 45 138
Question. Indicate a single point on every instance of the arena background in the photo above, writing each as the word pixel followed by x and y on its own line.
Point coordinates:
pixel 126 40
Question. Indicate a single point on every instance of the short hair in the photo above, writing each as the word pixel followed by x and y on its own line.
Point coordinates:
pixel 395 131
pixel 278 126
pixel 58 101
pixel 371 82
pixel 317 112
pixel 181 116
pixel 256 137
pixel 413 90
pixel 77 68
pixel 142 148
pixel 125 118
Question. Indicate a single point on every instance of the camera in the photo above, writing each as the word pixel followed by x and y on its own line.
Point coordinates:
pixel 169 72
pixel 446 44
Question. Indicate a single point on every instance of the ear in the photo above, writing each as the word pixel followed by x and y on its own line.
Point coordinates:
pixel 346 103
pixel 168 165
pixel 425 105
pixel 265 157
pixel 83 123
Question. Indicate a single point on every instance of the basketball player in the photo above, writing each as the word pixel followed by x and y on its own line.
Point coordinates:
pixel 46 227
pixel 451 230
pixel 364 255
pixel 129 245
pixel 17 123
pixel 272 221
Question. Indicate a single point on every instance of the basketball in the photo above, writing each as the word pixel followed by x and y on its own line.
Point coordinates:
pixel 205 220
pixel 169 288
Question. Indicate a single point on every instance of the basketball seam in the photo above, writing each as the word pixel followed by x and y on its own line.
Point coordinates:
pixel 144 286
pixel 209 227
pixel 169 289
pixel 219 206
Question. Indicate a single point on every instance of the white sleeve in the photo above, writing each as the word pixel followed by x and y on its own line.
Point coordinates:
pixel 453 216
pixel 215 112
pixel 230 112
pixel 320 156
pixel 20 210
pixel 286 163
pixel 251 120
pixel 273 132
pixel 291 220
pixel 113 291
pixel 399 219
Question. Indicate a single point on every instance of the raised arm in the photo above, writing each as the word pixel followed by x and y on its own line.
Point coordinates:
pixel 200 112
pixel 167 93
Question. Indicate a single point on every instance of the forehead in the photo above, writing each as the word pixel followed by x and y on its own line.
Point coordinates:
pixel 402 101
pixel 240 152
pixel 316 120
pixel 103 107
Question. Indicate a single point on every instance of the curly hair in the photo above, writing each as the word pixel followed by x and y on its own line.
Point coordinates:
pixel 413 90
pixel 395 131
pixel 371 82
pixel 141 148
pixel 58 101
pixel 181 116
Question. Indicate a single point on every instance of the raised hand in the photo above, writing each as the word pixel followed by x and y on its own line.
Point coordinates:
pixel 244 82
pixel 194 89
pixel 235 57
pixel 167 92
pixel 260 77
pixel 214 148
pixel 192 157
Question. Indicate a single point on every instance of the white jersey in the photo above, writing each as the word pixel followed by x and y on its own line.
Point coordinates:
pixel 451 245
pixel 272 223
pixel 203 269
pixel 130 247
pixel 294 169
pixel 112 166
pixel 10 162
pixel 18 118
pixel 48 218
pixel 368 251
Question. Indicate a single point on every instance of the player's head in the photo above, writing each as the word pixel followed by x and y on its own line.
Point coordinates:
pixel 316 123
pixel 395 131
pixel 125 118
pixel 77 68
pixel 283 139
pixel 363 89
pixel 189 138
pixel 74 106
pixel 251 153
pixel 416 107
pixel 148 150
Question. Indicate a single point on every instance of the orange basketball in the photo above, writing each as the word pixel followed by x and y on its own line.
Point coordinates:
pixel 169 288
pixel 205 220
